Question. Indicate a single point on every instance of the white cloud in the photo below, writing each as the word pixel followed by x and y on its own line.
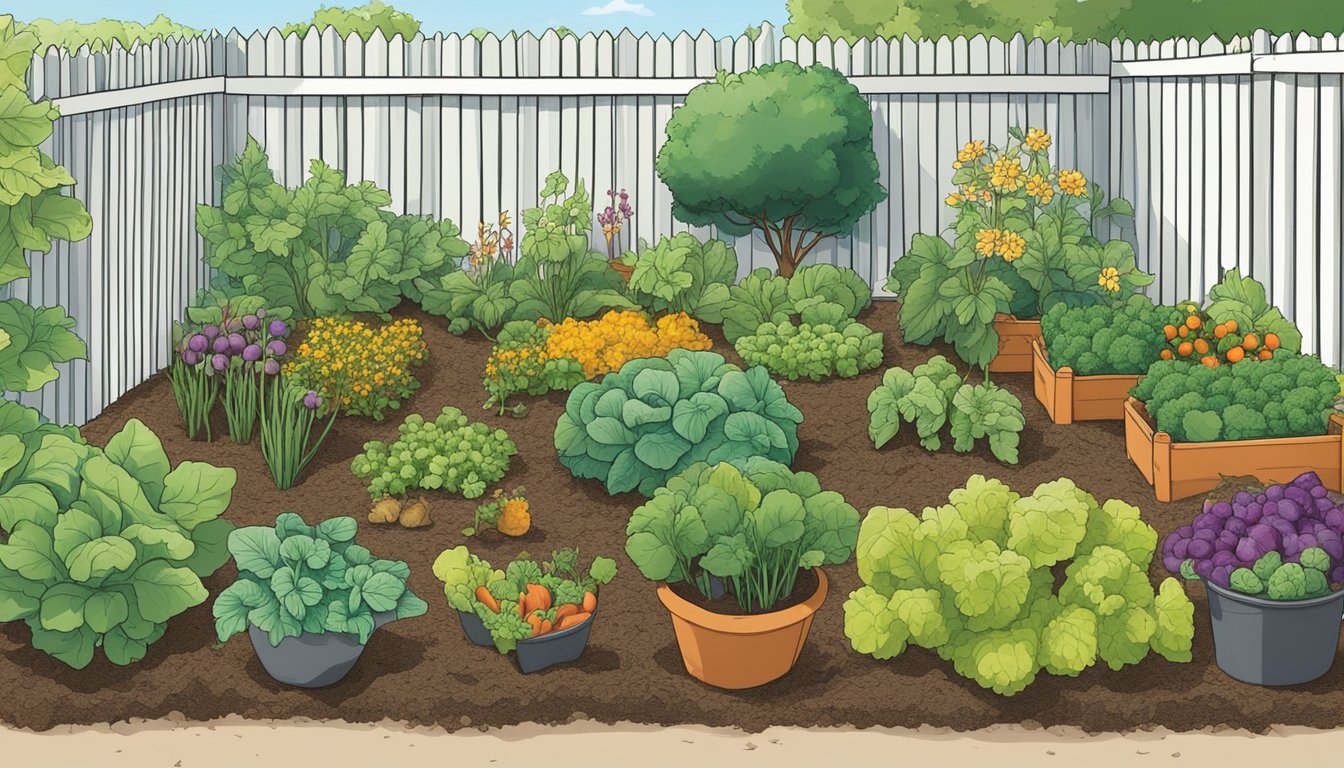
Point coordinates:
pixel 618 6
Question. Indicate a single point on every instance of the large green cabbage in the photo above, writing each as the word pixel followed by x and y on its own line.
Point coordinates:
pixel 656 416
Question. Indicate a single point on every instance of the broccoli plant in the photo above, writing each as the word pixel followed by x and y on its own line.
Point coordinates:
pixel 1107 339
pixel 972 580
pixel 779 148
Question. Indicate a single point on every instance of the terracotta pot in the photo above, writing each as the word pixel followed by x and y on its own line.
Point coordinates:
pixel 741 651
pixel 1181 470
pixel 624 270
pixel 1069 398
pixel 1015 338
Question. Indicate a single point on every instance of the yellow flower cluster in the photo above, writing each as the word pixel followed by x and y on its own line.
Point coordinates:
pixel 1073 183
pixel 1037 140
pixel 1109 279
pixel 1039 187
pixel 1006 174
pixel 526 360
pixel 363 368
pixel 1004 243
pixel 604 345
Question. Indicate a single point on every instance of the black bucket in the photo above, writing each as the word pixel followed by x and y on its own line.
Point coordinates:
pixel 475 629
pixel 561 647
pixel 1274 642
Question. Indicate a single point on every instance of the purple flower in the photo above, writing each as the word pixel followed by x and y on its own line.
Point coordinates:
pixel 311 401
pixel 210 331
pixel 251 322
pixel 221 346
pixel 220 362
pixel 190 358
pixel 252 353
pixel 271 368
pixel 198 343
pixel 278 328
pixel 261 313
pixel 610 193
pixel 236 342
pixel 277 348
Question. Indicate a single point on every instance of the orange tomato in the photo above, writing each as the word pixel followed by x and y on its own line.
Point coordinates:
pixel 1183 332
pixel 1185 349
pixel 1231 326
pixel 1165 354
pixel 1250 342
pixel 1219 331
pixel 1201 346
pixel 1271 341
pixel 1235 355
pixel 1170 332
pixel 1265 354
pixel 1210 361
pixel 1193 322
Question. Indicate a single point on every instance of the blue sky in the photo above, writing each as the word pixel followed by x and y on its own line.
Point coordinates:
pixel 720 17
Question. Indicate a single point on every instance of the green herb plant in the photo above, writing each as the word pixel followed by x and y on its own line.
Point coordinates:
pixel 449 453
pixel 683 274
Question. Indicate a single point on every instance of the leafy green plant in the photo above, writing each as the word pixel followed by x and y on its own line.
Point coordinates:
pixel 520 363
pixel 99 35
pixel 753 524
pixel 557 276
pixel 287 415
pixel 827 293
pixel 646 423
pixel 296 578
pixel 814 351
pixel 35 212
pixel 780 148
pixel 360 20
pixel 449 453
pixel 1243 299
pixel 529 598
pixel 322 248
pixel 1106 339
pixel 972 580
pixel 682 274
pixel 103 546
pixel 1023 241
pixel 935 395
pixel 1284 396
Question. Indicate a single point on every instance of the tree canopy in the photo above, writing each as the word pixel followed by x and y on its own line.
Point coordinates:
pixel 361 20
pixel 1067 19
pixel 779 148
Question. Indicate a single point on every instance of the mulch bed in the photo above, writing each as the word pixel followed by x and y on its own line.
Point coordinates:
pixel 424 671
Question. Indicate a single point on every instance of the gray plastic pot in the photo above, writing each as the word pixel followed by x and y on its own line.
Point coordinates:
pixel 311 660
pixel 1272 642
pixel 561 647
pixel 475 629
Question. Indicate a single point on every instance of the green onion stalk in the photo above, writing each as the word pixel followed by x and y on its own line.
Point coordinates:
pixel 769 578
pixel 288 415
pixel 195 390
pixel 242 393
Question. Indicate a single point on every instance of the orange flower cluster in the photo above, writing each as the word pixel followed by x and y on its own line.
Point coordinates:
pixel 366 370
pixel 604 345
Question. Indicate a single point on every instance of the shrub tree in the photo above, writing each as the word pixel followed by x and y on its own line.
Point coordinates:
pixel 780 148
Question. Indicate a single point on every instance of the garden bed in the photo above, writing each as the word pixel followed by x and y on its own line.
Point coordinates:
pixel 425 671
pixel 1068 398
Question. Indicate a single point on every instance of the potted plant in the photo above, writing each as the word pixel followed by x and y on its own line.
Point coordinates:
pixel 1272 561
pixel 544 610
pixel 764 532
pixel 309 597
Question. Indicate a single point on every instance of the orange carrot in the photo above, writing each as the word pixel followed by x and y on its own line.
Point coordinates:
pixel 574 620
pixel 538 598
pixel 566 610
pixel 534 621
pixel 484 597
pixel 546 626
pixel 589 602
pixel 522 604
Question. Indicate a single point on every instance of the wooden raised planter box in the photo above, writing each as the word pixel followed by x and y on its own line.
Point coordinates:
pixel 1015 337
pixel 1181 470
pixel 1069 398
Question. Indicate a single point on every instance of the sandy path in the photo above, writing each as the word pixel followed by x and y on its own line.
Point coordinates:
pixel 236 743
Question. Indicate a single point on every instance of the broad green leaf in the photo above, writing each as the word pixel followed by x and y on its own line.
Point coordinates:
pixel 138 450
pixel 63 607
pixel 164 591
pixel 29 551
pixel 101 557
pixel 195 493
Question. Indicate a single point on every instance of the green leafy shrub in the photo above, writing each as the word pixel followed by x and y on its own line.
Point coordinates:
pixel 934 395
pixel 322 248
pixel 754 524
pixel 657 416
pixel 812 351
pixel 1285 396
pixel 829 294
pixel 558 276
pixel 1103 339
pixel 781 148
pixel 99 35
pixel 682 274
pixel 361 20
pixel 295 578
pixel 1243 299
pixel 103 546
pixel 1024 240
pixel 972 581
pixel 34 212
pixel 449 453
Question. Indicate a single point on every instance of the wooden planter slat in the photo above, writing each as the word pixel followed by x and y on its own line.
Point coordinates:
pixel 1069 398
pixel 1181 470
pixel 1015 337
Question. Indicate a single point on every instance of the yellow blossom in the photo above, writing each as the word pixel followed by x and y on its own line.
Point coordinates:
pixel 1010 245
pixel 1109 279
pixel 984 241
pixel 1006 174
pixel 1073 183
pixel 954 199
pixel 1037 140
pixel 972 150
pixel 1039 187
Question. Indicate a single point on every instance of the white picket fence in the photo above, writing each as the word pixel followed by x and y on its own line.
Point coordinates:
pixel 1231 154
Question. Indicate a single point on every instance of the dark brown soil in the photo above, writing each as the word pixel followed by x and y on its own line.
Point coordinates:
pixel 425 671
pixel 804 586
